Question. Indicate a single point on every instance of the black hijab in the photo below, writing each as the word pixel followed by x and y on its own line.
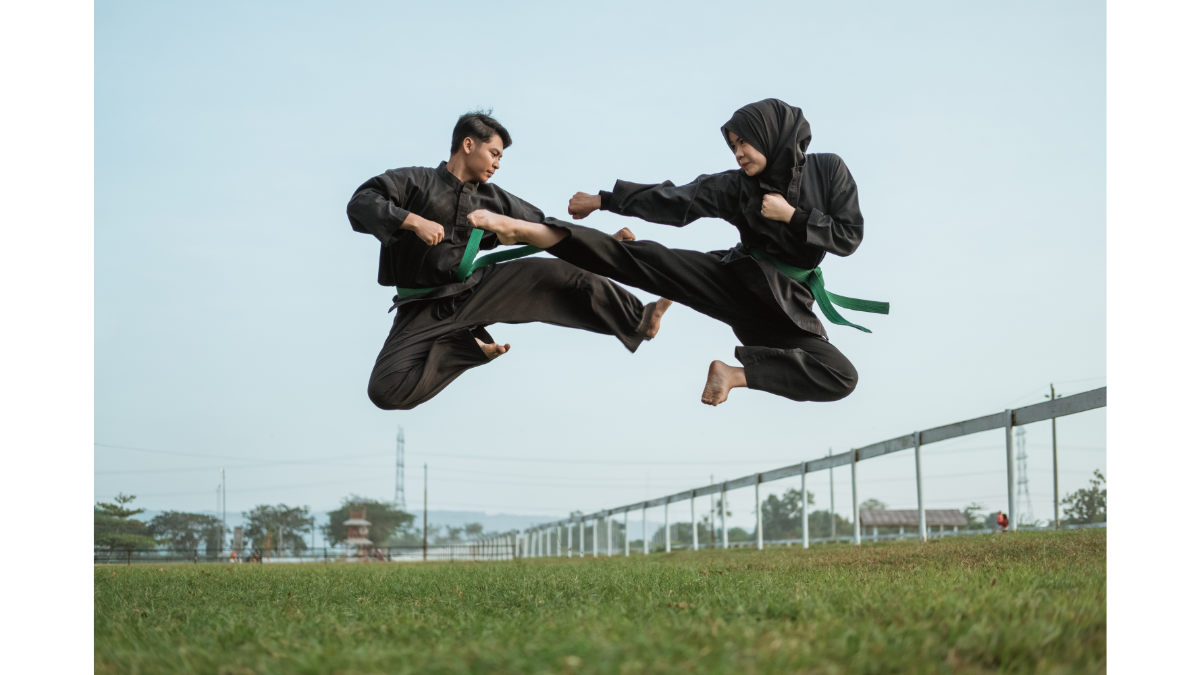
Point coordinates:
pixel 777 130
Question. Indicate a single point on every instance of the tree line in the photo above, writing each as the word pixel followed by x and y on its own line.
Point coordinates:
pixel 277 529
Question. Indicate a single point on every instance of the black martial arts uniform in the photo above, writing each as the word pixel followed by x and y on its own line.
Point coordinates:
pixel 432 340
pixel 785 348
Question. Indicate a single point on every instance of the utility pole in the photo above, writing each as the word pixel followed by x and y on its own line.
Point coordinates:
pixel 425 520
pixel 398 499
pixel 832 518
pixel 1054 449
pixel 223 527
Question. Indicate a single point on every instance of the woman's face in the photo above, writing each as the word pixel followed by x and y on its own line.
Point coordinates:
pixel 752 161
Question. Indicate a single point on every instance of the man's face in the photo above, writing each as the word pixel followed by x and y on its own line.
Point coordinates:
pixel 482 159
pixel 752 161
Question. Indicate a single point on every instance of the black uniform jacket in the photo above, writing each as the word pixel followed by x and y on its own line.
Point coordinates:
pixel 827 220
pixel 381 204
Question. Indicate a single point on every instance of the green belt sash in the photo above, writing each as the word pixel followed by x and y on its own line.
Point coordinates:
pixel 469 264
pixel 825 300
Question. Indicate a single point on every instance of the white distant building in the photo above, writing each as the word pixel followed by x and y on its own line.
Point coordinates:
pixel 356 530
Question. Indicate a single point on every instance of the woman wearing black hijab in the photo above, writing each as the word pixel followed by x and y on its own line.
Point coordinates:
pixel 790 208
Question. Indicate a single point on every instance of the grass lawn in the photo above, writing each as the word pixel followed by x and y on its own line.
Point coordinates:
pixel 1022 602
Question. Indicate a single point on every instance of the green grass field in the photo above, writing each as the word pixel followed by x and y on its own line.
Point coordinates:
pixel 1022 602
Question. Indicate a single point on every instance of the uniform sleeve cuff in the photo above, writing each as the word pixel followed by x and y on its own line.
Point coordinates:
pixel 810 224
pixel 605 200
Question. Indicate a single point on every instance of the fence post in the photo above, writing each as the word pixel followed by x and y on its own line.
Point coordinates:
pixel 1012 469
pixel 582 537
pixel 724 508
pixel 626 533
pixel 570 529
pixel 608 531
pixel 804 504
pixel 854 495
pixel 922 530
pixel 1054 450
pixel 758 509
pixel 667 523
pixel 695 532
pixel 645 537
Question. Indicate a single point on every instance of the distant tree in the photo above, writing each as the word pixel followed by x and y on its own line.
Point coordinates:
pixel 186 530
pixel 473 529
pixel 287 525
pixel 782 515
pixel 390 526
pixel 872 505
pixel 974 520
pixel 1089 505
pixel 115 529
pixel 739 534
pixel 818 525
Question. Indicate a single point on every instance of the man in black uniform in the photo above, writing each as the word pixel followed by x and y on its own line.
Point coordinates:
pixel 790 210
pixel 445 298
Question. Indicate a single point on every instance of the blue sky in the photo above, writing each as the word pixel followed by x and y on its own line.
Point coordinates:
pixel 237 315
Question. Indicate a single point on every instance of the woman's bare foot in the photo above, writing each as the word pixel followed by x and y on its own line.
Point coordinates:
pixel 507 229
pixel 660 307
pixel 721 378
pixel 492 351
pixel 512 231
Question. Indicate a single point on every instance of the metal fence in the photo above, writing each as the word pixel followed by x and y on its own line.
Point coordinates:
pixel 547 539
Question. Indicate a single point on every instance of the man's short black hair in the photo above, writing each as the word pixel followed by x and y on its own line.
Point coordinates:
pixel 479 125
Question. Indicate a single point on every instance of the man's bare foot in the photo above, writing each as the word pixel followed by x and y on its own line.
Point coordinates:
pixel 721 378
pixel 625 234
pixel 660 307
pixel 492 351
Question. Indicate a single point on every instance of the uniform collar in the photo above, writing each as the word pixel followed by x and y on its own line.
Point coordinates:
pixel 453 180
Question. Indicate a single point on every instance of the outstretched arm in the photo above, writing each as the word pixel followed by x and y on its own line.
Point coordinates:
pixel 665 203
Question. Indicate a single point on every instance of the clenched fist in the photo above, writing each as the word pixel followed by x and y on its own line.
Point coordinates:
pixel 775 207
pixel 582 205
pixel 426 230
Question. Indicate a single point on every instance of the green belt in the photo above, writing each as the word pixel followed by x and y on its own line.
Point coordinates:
pixel 825 300
pixel 469 264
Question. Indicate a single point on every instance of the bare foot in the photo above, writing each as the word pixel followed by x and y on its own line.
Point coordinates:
pixel 625 234
pixel 512 231
pixel 492 351
pixel 721 378
pixel 505 228
pixel 660 307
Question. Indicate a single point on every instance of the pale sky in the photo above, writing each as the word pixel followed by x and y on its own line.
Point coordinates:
pixel 237 315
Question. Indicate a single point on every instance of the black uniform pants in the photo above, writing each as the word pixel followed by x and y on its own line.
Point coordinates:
pixel 779 356
pixel 433 342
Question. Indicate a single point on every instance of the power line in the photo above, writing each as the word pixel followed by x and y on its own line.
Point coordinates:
pixel 319 461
